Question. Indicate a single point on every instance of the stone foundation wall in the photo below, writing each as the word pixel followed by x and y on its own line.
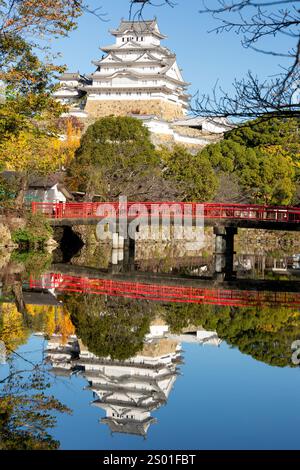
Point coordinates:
pixel 7 226
pixel 266 241
pixel 167 111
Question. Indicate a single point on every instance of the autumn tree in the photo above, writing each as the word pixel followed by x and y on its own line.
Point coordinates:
pixel 13 332
pixel 27 413
pixel 30 153
pixel 29 133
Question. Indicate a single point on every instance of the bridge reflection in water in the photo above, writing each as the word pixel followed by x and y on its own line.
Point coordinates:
pixel 239 293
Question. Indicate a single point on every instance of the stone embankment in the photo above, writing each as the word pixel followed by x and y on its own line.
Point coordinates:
pixel 7 226
pixel 247 241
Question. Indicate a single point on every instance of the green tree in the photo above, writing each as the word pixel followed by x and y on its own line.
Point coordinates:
pixel 193 175
pixel 115 328
pixel 261 133
pixel 116 157
pixel 265 333
pixel 264 157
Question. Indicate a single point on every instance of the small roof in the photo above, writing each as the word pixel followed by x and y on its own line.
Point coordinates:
pixel 48 182
pixel 129 426
pixel 70 76
pixel 61 372
pixel 45 182
pixel 40 298
pixel 138 27
pixel 195 121
pixel 40 182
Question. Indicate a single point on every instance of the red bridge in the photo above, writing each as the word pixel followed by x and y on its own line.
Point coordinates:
pixel 240 215
pixel 166 293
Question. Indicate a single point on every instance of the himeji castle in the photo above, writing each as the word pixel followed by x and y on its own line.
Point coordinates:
pixel 138 76
pixel 129 390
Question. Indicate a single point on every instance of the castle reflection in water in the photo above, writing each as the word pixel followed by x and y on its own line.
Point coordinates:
pixel 128 390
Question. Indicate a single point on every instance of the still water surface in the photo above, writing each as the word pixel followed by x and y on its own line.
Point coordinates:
pixel 128 373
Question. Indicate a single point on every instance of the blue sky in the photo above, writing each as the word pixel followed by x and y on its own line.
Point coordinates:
pixel 204 57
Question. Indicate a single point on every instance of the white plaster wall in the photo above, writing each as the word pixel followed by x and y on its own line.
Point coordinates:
pixel 50 195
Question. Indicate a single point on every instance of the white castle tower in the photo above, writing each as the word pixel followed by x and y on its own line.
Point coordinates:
pixel 130 390
pixel 135 76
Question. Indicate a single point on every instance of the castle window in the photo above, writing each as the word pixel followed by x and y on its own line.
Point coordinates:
pixel 142 39
pixel 123 39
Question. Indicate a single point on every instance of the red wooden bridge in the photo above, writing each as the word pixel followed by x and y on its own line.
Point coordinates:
pixel 247 215
pixel 166 293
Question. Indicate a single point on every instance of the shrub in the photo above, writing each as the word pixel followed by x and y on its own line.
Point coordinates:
pixel 36 231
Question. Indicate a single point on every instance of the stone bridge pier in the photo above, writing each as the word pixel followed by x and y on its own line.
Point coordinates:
pixel 224 251
pixel 123 253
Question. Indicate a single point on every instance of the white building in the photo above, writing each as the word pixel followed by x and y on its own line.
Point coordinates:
pixel 131 389
pixel 135 75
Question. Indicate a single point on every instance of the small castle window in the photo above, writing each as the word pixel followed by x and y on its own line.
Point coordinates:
pixel 142 39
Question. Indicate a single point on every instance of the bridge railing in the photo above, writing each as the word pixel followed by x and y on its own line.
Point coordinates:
pixel 165 293
pixel 89 210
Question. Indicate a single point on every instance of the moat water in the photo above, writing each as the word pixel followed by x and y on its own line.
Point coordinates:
pixel 85 367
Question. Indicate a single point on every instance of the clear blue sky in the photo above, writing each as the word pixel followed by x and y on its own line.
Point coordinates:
pixel 204 57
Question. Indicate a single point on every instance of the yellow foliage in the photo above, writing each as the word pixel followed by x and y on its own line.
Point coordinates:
pixel 13 333
pixel 58 321
pixel 30 152
pixel 70 144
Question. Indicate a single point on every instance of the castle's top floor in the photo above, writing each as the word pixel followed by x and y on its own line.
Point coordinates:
pixel 142 32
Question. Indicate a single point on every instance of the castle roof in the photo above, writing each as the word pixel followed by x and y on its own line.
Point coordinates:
pixel 70 76
pixel 129 426
pixel 138 28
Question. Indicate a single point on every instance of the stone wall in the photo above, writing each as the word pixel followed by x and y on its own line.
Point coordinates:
pixel 7 226
pixel 266 241
pixel 160 108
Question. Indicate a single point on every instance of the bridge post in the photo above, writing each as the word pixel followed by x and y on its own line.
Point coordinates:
pixel 224 251
pixel 129 254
